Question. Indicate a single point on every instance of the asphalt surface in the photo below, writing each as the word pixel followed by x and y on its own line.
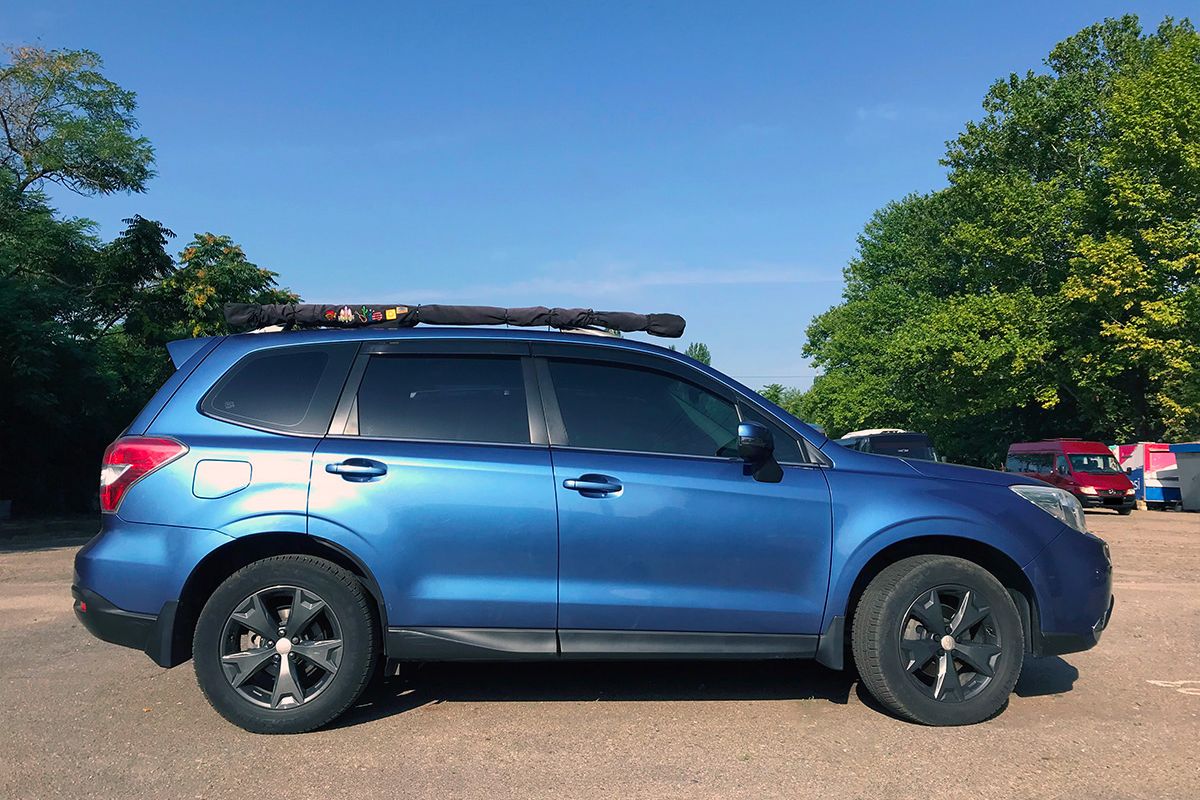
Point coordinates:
pixel 81 718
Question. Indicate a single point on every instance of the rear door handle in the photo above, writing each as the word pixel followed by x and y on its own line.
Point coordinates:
pixel 592 485
pixel 358 469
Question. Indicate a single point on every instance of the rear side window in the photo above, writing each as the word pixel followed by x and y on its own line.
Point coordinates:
pixel 1032 463
pixel 444 398
pixel 285 389
pixel 611 407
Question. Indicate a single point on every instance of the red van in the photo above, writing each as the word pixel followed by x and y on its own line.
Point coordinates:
pixel 1087 470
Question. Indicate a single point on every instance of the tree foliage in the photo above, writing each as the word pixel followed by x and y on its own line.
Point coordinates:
pixel 64 122
pixel 81 347
pixel 699 351
pixel 1052 288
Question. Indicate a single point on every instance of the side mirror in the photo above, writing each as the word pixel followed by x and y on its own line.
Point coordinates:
pixel 756 446
pixel 755 443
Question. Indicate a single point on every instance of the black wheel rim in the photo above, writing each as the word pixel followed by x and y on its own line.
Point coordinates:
pixel 949 643
pixel 281 647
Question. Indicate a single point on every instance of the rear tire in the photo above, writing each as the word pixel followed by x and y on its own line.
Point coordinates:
pixel 937 640
pixel 286 644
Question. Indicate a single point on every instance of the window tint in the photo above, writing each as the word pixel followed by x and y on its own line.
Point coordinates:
pixel 1031 463
pixel 787 448
pixel 613 407
pixel 290 389
pixel 446 398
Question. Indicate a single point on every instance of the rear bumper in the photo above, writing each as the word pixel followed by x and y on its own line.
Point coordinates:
pixel 150 633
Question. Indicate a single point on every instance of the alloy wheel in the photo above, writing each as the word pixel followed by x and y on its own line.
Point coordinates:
pixel 949 643
pixel 281 647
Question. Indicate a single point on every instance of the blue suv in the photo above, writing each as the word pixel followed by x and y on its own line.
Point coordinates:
pixel 293 511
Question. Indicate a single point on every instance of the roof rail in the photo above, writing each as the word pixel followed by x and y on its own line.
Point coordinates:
pixel 251 316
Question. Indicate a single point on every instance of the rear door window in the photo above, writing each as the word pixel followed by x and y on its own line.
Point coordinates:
pixel 444 398
pixel 285 389
pixel 623 407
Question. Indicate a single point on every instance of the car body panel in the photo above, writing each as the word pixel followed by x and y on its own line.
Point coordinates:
pixel 456 535
pixel 879 501
pixel 691 544
pixel 139 567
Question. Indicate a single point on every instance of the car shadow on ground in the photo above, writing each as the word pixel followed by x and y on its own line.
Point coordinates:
pixel 40 544
pixel 1045 676
pixel 419 685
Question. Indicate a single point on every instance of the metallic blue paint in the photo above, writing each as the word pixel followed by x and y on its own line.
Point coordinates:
pixel 139 567
pixel 456 535
pixel 691 544
pixel 486 536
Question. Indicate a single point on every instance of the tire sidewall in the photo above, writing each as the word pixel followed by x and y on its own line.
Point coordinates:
pixel 920 580
pixel 358 644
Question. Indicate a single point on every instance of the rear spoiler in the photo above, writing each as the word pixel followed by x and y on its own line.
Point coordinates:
pixel 183 349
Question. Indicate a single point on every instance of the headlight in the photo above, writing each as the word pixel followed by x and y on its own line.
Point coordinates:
pixel 1087 490
pixel 1131 491
pixel 1056 502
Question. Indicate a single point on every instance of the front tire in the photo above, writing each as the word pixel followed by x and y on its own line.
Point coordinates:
pixel 286 644
pixel 938 641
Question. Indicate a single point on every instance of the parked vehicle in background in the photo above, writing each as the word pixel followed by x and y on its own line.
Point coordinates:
pixel 891 442
pixel 1187 461
pixel 293 509
pixel 1088 470
pixel 1152 469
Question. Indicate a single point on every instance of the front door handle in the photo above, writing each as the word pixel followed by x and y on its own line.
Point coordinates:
pixel 358 470
pixel 592 485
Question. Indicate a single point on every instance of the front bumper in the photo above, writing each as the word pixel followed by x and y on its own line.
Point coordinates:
pixel 1058 644
pixel 1072 578
pixel 150 633
pixel 1113 501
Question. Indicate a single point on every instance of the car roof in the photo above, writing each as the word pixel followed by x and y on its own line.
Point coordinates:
pixel 317 335
pixel 1061 446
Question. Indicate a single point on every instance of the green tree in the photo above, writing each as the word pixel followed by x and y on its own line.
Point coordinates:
pixel 62 121
pixel 81 347
pixel 1052 287
pixel 214 271
pixel 699 351
pixel 786 397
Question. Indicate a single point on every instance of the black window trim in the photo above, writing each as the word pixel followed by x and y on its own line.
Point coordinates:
pixel 556 428
pixel 204 407
pixel 344 424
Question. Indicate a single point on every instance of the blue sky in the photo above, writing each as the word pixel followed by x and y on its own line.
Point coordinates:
pixel 711 159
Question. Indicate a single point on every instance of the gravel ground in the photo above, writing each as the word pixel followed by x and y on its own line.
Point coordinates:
pixel 82 718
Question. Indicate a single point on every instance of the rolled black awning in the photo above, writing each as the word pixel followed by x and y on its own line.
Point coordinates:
pixel 251 316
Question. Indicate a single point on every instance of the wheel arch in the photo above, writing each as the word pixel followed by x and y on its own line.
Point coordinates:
pixel 994 560
pixel 229 558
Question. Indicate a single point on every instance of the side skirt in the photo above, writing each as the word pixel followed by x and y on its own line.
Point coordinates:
pixel 684 645
pixel 509 644
pixel 471 644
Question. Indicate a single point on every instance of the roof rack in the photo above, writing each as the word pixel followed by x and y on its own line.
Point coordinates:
pixel 288 316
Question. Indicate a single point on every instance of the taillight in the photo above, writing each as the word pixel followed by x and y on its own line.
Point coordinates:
pixel 128 460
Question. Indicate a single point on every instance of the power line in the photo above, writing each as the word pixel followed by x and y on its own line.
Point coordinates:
pixel 772 376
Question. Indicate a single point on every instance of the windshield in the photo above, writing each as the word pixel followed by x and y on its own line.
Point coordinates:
pixel 917 446
pixel 1098 464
